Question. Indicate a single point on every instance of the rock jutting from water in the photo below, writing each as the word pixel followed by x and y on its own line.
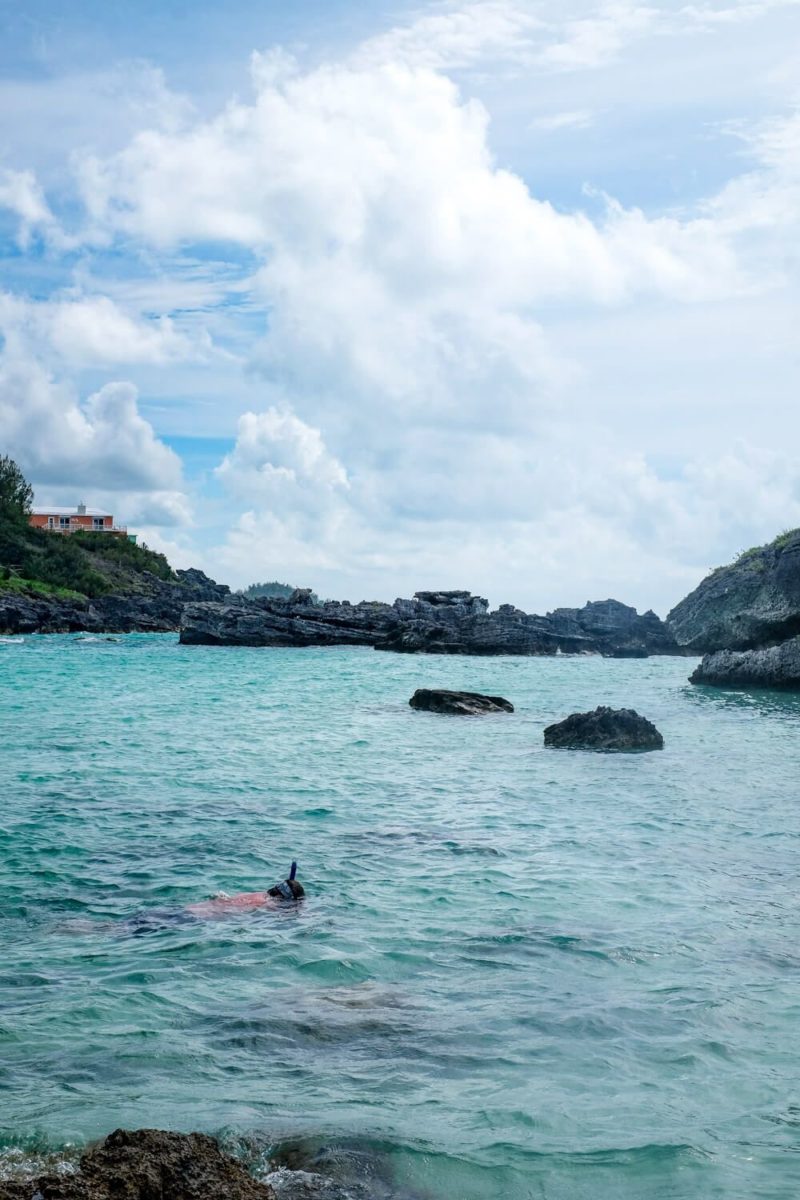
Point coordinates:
pixel 147 1164
pixel 454 622
pixel 468 704
pixel 770 667
pixel 604 729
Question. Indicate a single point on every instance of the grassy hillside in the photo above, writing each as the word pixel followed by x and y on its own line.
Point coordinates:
pixel 80 564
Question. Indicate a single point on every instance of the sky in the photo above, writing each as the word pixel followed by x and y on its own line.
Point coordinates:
pixel 487 294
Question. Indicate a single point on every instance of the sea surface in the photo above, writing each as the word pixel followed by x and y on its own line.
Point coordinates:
pixel 518 972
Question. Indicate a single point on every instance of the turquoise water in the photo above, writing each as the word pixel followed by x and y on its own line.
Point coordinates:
pixel 518 972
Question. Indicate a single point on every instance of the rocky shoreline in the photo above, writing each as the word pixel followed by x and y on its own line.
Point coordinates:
pixel 155 607
pixel 454 622
pixel 745 619
pixel 156 1164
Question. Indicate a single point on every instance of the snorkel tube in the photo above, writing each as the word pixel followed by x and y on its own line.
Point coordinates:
pixel 283 889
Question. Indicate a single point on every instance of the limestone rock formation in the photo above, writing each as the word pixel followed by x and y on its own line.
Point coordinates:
pixel 604 729
pixel 147 1164
pixel 454 622
pixel 769 667
pixel 755 601
pixel 469 704
pixel 155 607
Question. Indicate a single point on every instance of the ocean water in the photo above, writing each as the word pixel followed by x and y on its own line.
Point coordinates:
pixel 519 972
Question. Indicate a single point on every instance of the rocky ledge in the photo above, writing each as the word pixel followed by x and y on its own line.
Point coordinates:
pixel 770 667
pixel 155 607
pixel 752 602
pixel 466 704
pixel 147 1164
pixel 453 622
pixel 604 729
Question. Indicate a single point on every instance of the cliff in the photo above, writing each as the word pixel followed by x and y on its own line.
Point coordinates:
pixel 754 601
pixel 142 603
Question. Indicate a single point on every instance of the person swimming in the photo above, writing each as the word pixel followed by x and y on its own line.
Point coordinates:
pixel 289 890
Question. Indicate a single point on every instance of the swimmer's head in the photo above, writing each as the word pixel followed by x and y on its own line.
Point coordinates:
pixel 290 889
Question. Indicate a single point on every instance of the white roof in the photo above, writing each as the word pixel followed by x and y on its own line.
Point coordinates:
pixel 54 511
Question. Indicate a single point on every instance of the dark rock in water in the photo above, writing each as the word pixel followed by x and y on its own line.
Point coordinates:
pixel 469 704
pixel 147 1164
pixel 267 621
pixel 604 729
pixel 755 601
pixel 770 667
pixel 431 623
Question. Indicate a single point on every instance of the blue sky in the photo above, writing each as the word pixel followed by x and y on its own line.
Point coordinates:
pixel 499 294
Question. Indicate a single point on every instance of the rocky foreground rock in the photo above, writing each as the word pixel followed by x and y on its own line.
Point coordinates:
pixel 453 622
pixel 467 704
pixel 770 667
pixel 604 729
pixel 155 607
pixel 147 1164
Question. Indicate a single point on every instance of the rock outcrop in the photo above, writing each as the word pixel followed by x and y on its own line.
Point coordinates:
pixel 147 1164
pixel 604 729
pixel 454 622
pixel 467 704
pixel 156 606
pixel 753 602
pixel 769 667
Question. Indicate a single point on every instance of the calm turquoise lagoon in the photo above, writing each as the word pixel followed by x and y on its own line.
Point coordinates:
pixel 519 972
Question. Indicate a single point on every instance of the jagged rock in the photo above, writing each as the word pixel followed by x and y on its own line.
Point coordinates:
pixel 604 729
pixel 469 704
pixel 156 606
pixel 274 622
pixel 769 667
pixel 452 622
pixel 147 1164
pixel 753 602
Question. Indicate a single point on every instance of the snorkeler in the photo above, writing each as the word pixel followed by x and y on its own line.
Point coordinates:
pixel 288 891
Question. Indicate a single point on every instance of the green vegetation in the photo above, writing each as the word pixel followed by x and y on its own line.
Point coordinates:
pixel 753 559
pixel 49 563
pixel 274 590
pixel 782 538
pixel 15 583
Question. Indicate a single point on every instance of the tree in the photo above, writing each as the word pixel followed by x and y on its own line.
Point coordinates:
pixel 16 494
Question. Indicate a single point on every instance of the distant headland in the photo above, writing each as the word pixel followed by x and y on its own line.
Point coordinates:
pixel 744 617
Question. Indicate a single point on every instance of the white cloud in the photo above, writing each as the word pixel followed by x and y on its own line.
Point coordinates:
pixel 21 193
pixel 101 445
pixel 458 35
pixel 278 459
pixel 552 122
pixel 409 308
pixel 93 330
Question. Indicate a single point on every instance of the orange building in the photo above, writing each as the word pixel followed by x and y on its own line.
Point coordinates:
pixel 73 520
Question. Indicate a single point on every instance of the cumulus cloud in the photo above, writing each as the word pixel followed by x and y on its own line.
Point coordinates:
pixel 420 422
pixel 101 445
pixel 278 458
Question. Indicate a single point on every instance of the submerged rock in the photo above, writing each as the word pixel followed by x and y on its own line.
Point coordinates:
pixel 468 704
pixel 769 667
pixel 604 729
pixel 147 1164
